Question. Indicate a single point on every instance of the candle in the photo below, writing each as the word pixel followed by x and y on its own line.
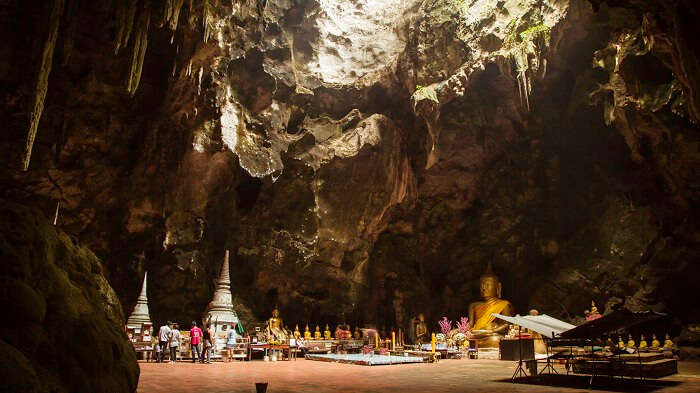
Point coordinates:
pixel 393 340
pixel 432 341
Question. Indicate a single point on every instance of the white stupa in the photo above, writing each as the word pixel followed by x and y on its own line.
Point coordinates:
pixel 140 314
pixel 220 310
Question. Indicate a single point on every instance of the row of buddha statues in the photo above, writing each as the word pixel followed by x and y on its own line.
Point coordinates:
pixel 275 330
pixel 643 345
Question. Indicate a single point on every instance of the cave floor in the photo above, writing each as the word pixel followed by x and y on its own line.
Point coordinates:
pixel 313 376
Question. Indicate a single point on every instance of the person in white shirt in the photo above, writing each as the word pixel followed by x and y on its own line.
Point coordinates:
pixel 174 342
pixel 231 337
pixel 163 339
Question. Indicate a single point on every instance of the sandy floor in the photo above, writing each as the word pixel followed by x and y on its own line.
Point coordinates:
pixel 313 376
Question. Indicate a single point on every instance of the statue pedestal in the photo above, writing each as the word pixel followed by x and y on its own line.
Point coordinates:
pixel 488 341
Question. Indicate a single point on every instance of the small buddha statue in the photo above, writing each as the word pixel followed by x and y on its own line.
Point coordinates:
pixel 307 333
pixel 357 334
pixel 620 343
pixel 297 333
pixel 275 329
pixel 630 342
pixel 317 333
pixel 642 343
pixel 655 342
pixel 326 333
pixel 668 344
pixel 487 329
pixel 421 330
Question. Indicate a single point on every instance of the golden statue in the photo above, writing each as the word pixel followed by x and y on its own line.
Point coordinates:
pixel 274 327
pixel 630 342
pixel 668 344
pixel 620 343
pixel 421 330
pixel 307 333
pixel 297 333
pixel 317 333
pixel 655 342
pixel 357 333
pixel 326 333
pixel 642 343
pixel 487 330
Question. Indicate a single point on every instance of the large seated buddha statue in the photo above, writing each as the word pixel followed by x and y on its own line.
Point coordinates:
pixel 486 328
pixel 275 329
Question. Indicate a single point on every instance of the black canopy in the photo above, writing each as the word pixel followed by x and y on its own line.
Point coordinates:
pixel 618 319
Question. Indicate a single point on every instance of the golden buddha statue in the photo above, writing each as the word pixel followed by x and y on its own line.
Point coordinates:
pixel 357 333
pixel 642 343
pixel 274 329
pixel 317 333
pixel 326 333
pixel 630 342
pixel 620 343
pixel 307 333
pixel 668 344
pixel 486 329
pixel 297 333
pixel 655 342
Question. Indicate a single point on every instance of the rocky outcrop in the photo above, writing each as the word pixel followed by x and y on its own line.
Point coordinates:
pixel 67 327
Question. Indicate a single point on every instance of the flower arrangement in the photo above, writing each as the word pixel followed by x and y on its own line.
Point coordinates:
pixel 440 337
pixel 464 327
pixel 445 325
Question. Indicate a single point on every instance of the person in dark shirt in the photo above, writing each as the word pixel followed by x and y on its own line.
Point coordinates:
pixel 208 344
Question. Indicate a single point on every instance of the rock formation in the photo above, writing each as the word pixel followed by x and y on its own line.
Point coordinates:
pixel 64 329
pixel 366 159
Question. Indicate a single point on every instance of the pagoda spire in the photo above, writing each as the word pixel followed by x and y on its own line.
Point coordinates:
pixel 222 300
pixel 140 314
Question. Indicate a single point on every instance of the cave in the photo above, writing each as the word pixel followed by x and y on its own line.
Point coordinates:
pixel 348 163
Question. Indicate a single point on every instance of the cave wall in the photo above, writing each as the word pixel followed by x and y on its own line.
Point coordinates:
pixel 65 326
pixel 365 166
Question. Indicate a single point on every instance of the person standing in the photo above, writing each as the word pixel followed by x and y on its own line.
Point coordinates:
pixel 231 338
pixel 195 341
pixel 163 339
pixel 174 342
pixel 208 344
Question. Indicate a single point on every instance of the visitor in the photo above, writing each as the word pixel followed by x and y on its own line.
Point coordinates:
pixel 163 339
pixel 174 342
pixel 231 339
pixel 208 344
pixel 195 338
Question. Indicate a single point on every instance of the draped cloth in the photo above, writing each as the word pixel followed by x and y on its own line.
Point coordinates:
pixel 484 312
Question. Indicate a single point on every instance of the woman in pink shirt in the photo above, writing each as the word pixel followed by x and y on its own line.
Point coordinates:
pixel 195 341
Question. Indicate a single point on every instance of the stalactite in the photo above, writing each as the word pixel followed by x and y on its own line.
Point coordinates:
pixel 189 68
pixel 71 19
pixel 172 12
pixel 199 83
pixel 192 18
pixel 140 45
pixel 55 217
pixel 205 21
pixel 42 84
pixel 125 14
